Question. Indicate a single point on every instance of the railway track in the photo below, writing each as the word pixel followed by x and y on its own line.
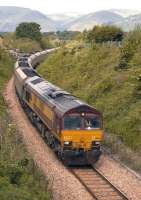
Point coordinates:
pixel 97 184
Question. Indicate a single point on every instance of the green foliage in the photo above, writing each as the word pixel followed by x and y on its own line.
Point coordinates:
pixel 67 35
pixel 27 45
pixel 29 30
pixel 48 42
pixel 130 50
pixel 20 179
pixel 10 41
pixel 6 69
pixel 103 34
pixel 90 74
pixel 45 43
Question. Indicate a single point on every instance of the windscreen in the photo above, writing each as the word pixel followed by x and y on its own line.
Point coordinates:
pixel 76 122
pixel 92 122
pixel 72 122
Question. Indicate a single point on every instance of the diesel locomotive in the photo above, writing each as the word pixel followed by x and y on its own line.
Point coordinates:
pixel 71 127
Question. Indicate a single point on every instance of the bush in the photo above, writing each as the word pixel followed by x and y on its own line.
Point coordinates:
pixel 46 43
pixel 101 34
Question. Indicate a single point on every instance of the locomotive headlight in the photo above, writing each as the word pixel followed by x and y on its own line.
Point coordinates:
pixel 97 142
pixel 66 143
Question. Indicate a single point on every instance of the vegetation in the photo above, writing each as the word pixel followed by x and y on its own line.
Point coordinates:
pixel 6 68
pixel 101 34
pixel 93 73
pixel 49 41
pixel 19 177
pixel 10 41
pixel 130 51
pixel 28 38
pixel 29 30
pixel 67 35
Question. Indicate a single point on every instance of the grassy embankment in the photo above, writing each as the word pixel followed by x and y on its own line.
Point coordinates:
pixel 98 74
pixel 19 177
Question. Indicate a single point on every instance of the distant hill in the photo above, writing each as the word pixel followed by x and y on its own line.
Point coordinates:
pixel 10 17
pixel 92 19
pixel 61 20
pixel 125 12
pixel 124 18
pixel 129 23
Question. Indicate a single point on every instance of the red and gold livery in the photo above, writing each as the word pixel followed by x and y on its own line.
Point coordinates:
pixel 70 126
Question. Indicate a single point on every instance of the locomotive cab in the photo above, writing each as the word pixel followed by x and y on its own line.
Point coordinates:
pixel 82 134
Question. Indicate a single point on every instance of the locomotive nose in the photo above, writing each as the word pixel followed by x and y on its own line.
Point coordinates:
pixel 79 139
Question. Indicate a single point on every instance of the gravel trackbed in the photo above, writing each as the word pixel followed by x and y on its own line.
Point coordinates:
pixel 122 177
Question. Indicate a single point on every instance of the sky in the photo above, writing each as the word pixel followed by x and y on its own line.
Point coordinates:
pixel 67 6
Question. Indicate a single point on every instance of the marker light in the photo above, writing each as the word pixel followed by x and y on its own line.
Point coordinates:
pixel 83 114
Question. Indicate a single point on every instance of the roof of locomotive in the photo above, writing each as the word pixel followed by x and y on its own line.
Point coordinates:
pixel 61 100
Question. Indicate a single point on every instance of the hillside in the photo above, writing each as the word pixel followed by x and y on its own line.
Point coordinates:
pixel 91 73
pixel 92 19
pixel 61 20
pixel 10 17
pixel 125 12
pixel 130 22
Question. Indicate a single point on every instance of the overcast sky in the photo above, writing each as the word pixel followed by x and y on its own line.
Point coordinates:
pixel 79 6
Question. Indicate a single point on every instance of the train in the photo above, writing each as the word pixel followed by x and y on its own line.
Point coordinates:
pixel 71 127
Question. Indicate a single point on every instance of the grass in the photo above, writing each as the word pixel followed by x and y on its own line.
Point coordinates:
pixel 6 69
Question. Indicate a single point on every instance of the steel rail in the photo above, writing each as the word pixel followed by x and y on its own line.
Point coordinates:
pixel 83 178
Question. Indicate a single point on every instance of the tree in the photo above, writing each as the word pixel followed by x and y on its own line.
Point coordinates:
pixel 29 30
pixel 104 34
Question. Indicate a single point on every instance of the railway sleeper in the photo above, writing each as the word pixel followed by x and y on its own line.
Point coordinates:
pixel 110 198
pixel 105 193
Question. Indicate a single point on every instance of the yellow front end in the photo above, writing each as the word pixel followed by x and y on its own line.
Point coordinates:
pixel 82 139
